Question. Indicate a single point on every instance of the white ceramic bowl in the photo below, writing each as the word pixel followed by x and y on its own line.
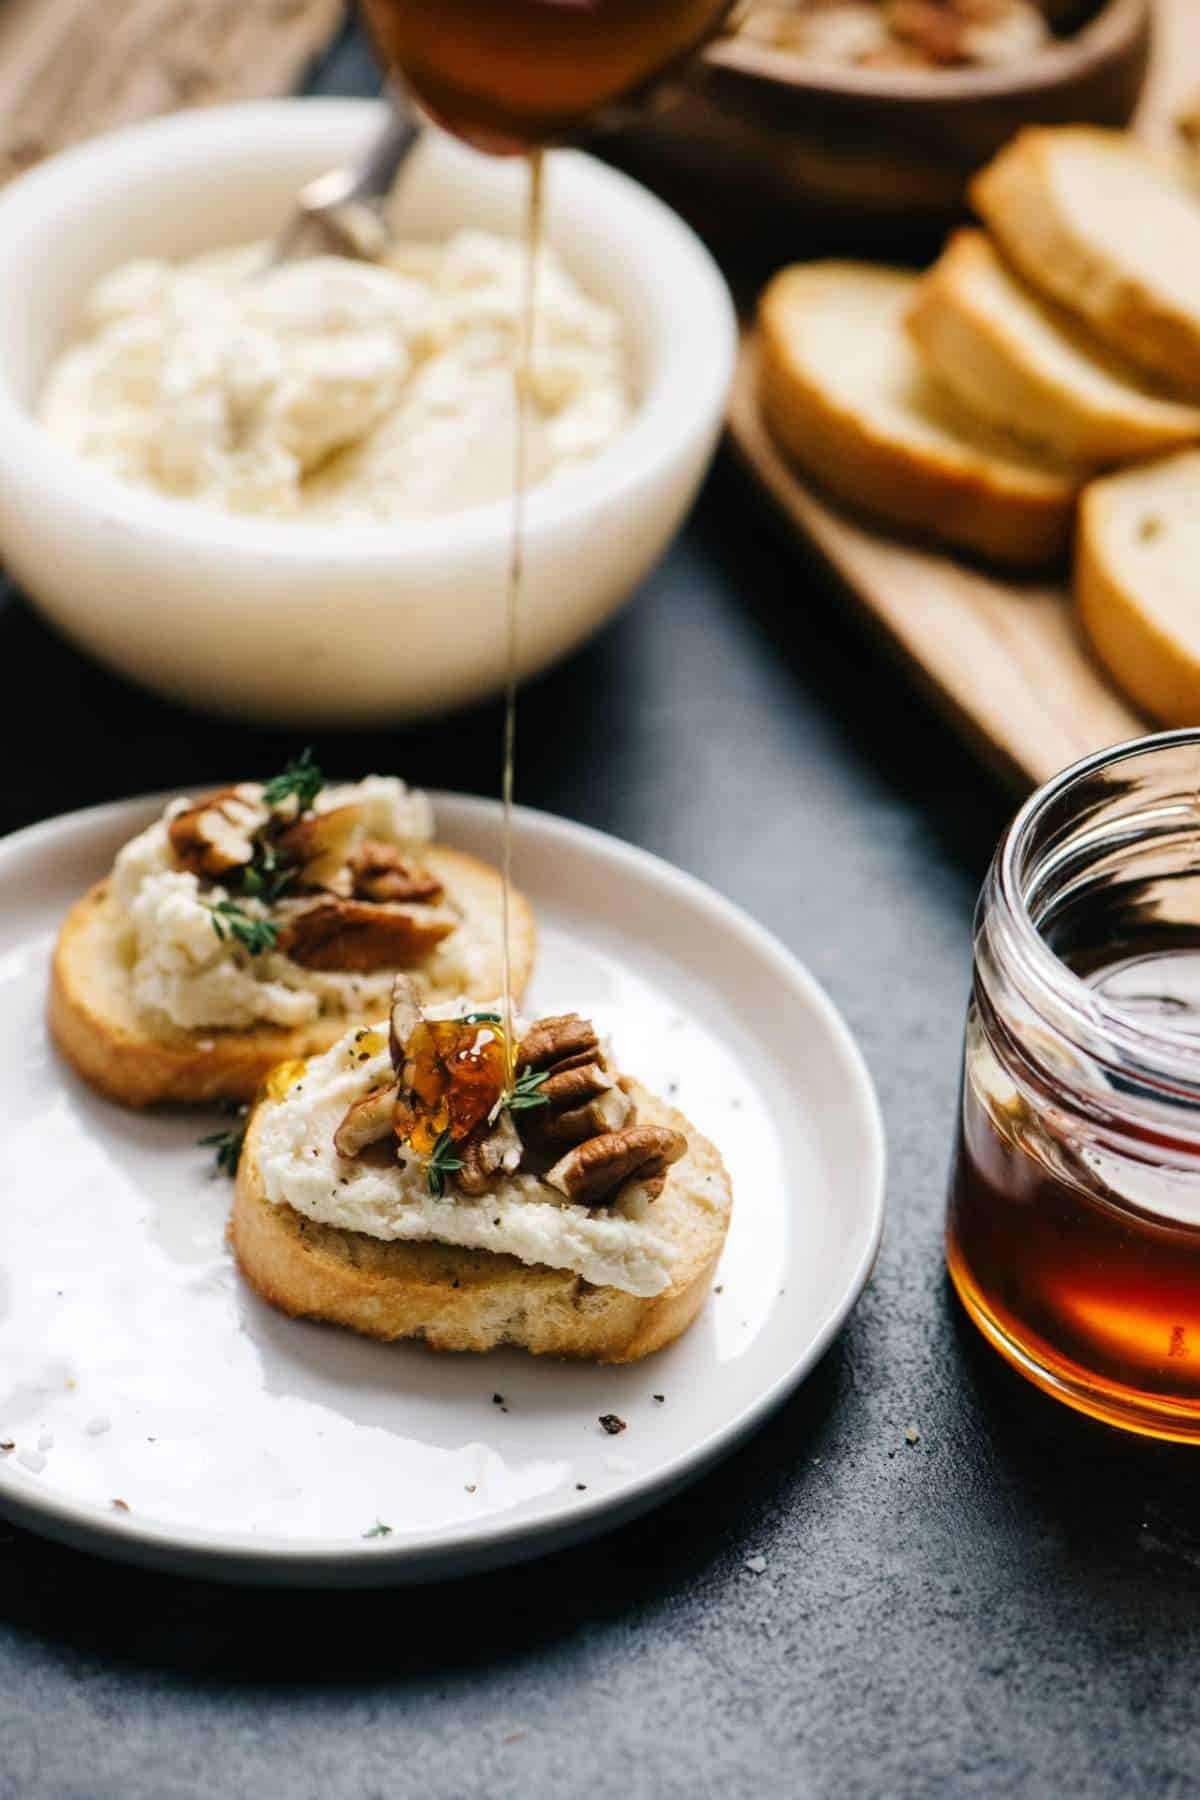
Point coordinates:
pixel 325 625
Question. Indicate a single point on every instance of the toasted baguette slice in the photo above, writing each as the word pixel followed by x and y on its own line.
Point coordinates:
pixel 843 391
pixel 95 1024
pixel 1029 367
pixel 458 1299
pixel 1137 583
pixel 1091 218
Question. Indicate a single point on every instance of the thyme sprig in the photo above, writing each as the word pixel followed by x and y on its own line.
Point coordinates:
pixel 301 777
pixel 227 1145
pixel 229 920
pixel 263 878
pixel 442 1162
pixel 522 1095
pixel 378 1530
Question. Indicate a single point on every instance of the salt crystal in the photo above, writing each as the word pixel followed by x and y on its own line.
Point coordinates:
pixel 620 1465
pixel 97 1427
pixel 46 1441
pixel 33 1460
pixel 756 1564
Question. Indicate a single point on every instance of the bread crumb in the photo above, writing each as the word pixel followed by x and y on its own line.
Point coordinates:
pixel 120 1505
pixel 612 1423
pixel 912 1435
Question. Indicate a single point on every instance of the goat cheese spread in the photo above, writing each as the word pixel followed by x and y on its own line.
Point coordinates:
pixel 183 974
pixel 331 390
pixel 521 1216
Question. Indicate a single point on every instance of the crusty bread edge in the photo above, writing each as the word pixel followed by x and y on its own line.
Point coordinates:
pixel 978 359
pixel 1011 195
pixel 134 1067
pixel 955 504
pixel 304 1270
pixel 1144 661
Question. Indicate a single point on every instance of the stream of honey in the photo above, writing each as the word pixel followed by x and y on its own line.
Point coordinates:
pixel 510 76
pixel 522 391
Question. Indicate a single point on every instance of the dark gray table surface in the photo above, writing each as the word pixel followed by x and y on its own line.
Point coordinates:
pixel 1008 1606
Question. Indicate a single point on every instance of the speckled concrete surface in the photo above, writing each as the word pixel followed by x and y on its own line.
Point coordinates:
pixel 1009 1605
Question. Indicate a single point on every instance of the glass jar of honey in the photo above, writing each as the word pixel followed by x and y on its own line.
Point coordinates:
pixel 1073 1231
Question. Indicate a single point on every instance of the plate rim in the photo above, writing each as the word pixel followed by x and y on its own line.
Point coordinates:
pixel 246 1558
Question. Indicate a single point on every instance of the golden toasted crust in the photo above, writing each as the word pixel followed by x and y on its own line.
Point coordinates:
pixel 106 1040
pixel 1134 584
pixel 1030 367
pixel 958 485
pixel 456 1299
pixel 1062 249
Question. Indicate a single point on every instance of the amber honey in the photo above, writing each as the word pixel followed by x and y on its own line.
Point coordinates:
pixel 1077 1249
pixel 510 75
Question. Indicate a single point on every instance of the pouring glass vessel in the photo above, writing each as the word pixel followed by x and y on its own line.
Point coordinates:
pixel 510 76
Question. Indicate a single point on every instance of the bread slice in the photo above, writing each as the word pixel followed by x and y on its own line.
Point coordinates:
pixel 1094 220
pixel 96 1025
pixel 1029 367
pixel 456 1299
pixel 844 393
pixel 1137 583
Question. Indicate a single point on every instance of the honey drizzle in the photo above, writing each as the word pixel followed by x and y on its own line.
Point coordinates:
pixel 522 383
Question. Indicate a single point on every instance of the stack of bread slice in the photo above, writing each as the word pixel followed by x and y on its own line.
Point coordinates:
pixel 975 404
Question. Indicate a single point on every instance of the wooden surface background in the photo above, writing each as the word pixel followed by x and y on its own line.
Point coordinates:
pixel 71 68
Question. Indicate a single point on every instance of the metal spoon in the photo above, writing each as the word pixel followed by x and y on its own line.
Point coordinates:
pixel 344 213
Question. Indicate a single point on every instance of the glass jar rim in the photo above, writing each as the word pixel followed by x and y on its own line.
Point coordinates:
pixel 1079 1010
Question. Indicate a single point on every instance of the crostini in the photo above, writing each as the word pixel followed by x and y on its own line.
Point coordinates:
pixel 255 925
pixel 415 1182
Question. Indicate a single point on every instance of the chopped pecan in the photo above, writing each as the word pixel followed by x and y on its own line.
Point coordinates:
pixel 553 1041
pixel 488 1151
pixel 381 871
pixel 367 1121
pixel 360 937
pixel 318 845
pixel 581 1101
pixel 217 834
pixel 593 1173
pixel 403 1019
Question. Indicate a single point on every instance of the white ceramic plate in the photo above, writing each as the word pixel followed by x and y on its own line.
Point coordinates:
pixel 136 1367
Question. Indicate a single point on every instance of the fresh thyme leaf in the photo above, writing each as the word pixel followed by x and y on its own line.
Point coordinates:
pixel 263 878
pixel 442 1162
pixel 255 935
pixel 301 778
pixel 482 1019
pixel 524 1092
pixel 227 1145
pixel 378 1529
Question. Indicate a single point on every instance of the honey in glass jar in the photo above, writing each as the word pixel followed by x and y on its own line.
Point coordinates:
pixel 1073 1231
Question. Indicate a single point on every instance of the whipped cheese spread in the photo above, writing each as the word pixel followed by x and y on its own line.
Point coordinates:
pixel 183 974
pixel 521 1216
pixel 331 390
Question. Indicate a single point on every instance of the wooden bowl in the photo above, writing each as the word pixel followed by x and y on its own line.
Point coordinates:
pixel 856 148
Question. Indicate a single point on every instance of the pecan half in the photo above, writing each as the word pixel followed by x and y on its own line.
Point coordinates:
pixel 554 1041
pixel 367 1121
pixel 488 1151
pixel 381 871
pixel 581 1101
pixel 360 937
pixel 593 1173
pixel 217 833
pixel 318 845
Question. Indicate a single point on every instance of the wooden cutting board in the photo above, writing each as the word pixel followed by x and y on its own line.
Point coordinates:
pixel 1000 658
